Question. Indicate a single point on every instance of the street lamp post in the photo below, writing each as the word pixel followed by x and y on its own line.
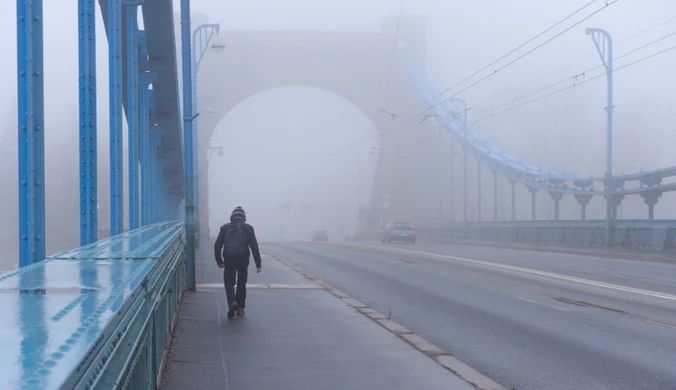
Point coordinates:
pixel 604 46
pixel 201 39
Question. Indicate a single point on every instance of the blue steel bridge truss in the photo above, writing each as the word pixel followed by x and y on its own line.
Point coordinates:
pixel 143 80
pixel 452 116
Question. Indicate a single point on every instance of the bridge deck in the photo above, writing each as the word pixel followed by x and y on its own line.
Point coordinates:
pixel 60 313
pixel 294 335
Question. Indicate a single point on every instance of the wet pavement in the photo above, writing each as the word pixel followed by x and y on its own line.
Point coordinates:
pixel 294 335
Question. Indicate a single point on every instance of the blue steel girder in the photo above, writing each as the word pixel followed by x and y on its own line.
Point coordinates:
pixel 133 111
pixel 159 38
pixel 88 117
pixel 111 12
pixel 158 21
pixel 514 169
pixel 30 83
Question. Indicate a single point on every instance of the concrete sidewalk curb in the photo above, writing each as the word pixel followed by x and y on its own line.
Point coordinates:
pixel 444 359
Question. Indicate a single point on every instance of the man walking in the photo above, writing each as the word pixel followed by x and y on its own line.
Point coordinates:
pixel 232 253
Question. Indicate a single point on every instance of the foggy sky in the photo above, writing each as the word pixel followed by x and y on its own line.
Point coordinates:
pixel 565 132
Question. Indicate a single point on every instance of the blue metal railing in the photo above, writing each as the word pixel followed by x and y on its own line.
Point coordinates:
pixel 645 234
pixel 95 317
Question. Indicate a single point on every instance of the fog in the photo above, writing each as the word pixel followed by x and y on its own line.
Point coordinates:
pixel 304 157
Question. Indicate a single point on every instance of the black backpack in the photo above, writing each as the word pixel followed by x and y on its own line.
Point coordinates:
pixel 235 241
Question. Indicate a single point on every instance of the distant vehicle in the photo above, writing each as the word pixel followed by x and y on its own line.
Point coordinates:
pixel 398 231
pixel 320 235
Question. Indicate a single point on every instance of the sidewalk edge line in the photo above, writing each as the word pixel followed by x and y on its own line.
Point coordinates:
pixel 442 358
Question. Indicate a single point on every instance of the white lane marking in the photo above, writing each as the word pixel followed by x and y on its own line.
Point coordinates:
pixel 530 271
pixel 265 285
pixel 543 304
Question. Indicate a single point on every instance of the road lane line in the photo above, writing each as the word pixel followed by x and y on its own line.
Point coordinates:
pixel 449 362
pixel 530 271
pixel 543 304
pixel 310 286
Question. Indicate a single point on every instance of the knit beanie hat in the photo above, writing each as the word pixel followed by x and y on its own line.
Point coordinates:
pixel 238 214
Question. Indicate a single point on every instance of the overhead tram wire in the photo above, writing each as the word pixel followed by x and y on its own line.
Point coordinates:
pixel 574 77
pixel 617 43
pixel 338 151
pixel 575 85
pixel 390 126
pixel 436 97
pixel 393 50
pixel 526 54
pixel 439 95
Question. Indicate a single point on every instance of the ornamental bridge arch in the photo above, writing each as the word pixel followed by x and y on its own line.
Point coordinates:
pixel 353 65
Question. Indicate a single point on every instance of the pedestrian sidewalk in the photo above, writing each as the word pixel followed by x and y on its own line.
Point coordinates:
pixel 294 336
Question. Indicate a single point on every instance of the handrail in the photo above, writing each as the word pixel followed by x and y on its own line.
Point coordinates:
pixel 85 318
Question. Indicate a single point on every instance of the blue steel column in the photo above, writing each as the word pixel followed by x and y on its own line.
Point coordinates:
pixel 188 145
pixel 145 79
pixel 195 130
pixel 133 115
pixel 452 179
pixel 154 162
pixel 478 178
pixel 533 192
pixel 198 51
pixel 154 172
pixel 30 92
pixel 495 195
pixel 144 156
pixel 604 46
pixel 460 110
pixel 115 102
pixel 513 184
pixel 464 178
pixel 88 158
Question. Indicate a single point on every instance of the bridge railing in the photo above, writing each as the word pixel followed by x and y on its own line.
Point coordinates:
pixel 95 317
pixel 649 234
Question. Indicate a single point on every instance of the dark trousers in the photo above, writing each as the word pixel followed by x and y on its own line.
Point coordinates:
pixel 236 272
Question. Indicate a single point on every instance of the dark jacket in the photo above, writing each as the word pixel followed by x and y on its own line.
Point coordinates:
pixel 250 238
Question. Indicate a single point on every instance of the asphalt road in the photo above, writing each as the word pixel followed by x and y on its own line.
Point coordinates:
pixel 538 321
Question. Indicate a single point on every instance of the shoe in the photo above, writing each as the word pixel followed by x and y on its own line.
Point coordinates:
pixel 233 310
pixel 240 311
